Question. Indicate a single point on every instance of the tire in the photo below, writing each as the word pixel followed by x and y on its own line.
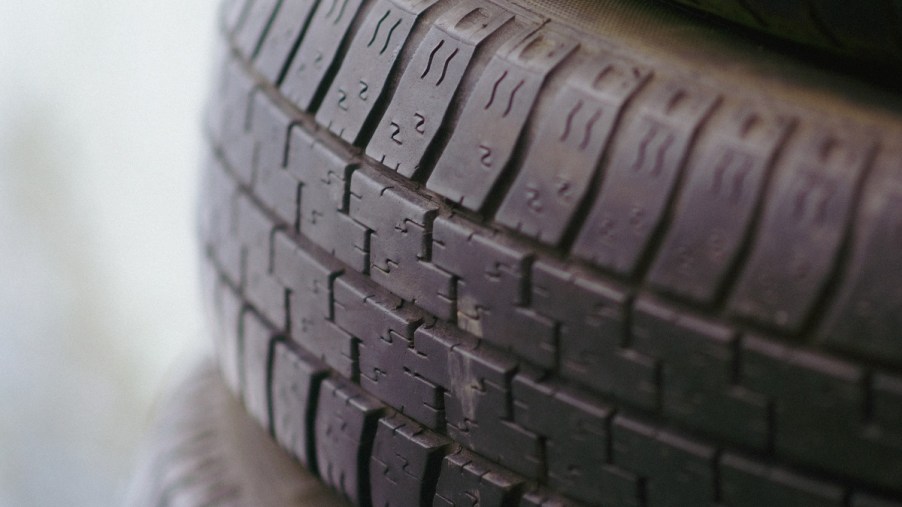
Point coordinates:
pixel 867 31
pixel 536 253
pixel 203 449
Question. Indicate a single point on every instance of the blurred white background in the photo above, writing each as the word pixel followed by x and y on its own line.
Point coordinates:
pixel 100 125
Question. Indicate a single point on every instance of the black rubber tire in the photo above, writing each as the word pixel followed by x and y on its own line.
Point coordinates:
pixel 869 31
pixel 472 249
pixel 204 450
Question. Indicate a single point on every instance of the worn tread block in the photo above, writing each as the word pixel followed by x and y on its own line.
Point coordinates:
pixel 476 386
pixel 318 50
pixel 677 471
pixel 865 317
pixel 405 463
pixel 261 288
pixel 466 479
pixel 255 351
pixel 590 318
pixel 282 37
pixel 574 428
pixel 310 309
pixel 325 175
pixel 384 328
pixel 717 203
pixel 495 114
pixel 400 242
pixel 345 428
pixel 698 362
pixel 372 56
pixel 491 291
pixel 802 228
pixel 642 175
pixel 745 482
pixel 563 159
pixel 429 82
pixel 294 387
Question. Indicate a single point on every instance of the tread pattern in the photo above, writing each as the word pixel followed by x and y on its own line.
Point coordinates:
pixel 576 343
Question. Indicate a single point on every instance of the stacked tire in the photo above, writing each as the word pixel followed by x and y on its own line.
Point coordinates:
pixel 524 252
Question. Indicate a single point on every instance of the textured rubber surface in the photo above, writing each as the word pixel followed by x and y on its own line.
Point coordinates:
pixel 870 30
pixel 204 450
pixel 467 251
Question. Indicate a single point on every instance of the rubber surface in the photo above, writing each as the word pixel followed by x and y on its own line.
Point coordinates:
pixel 869 30
pixel 477 250
pixel 204 450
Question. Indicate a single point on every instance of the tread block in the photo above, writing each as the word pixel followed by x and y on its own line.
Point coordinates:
pixel 261 288
pixel 318 50
pixel 620 487
pixel 400 246
pixel 217 219
pixel 295 385
pixel 384 328
pixel 255 355
pixel 745 482
pixel 495 114
pixel 491 290
pixel 541 498
pixel 697 374
pixel 865 318
pixel 272 182
pixel 326 176
pixel 467 479
pixel 803 381
pixel 372 56
pixel 574 428
pixel 819 412
pixel 405 464
pixel 641 177
pixel 717 203
pixel 227 341
pixel 231 13
pixel 700 350
pixel 282 38
pixel 253 27
pixel 677 471
pixel 429 82
pixel 886 398
pixel 562 160
pixel 476 386
pixel 865 500
pixel 801 230
pixel 590 317
pixel 345 429
pixel 230 110
pixel 310 309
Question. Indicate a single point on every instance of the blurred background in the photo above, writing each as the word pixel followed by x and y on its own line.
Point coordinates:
pixel 100 130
